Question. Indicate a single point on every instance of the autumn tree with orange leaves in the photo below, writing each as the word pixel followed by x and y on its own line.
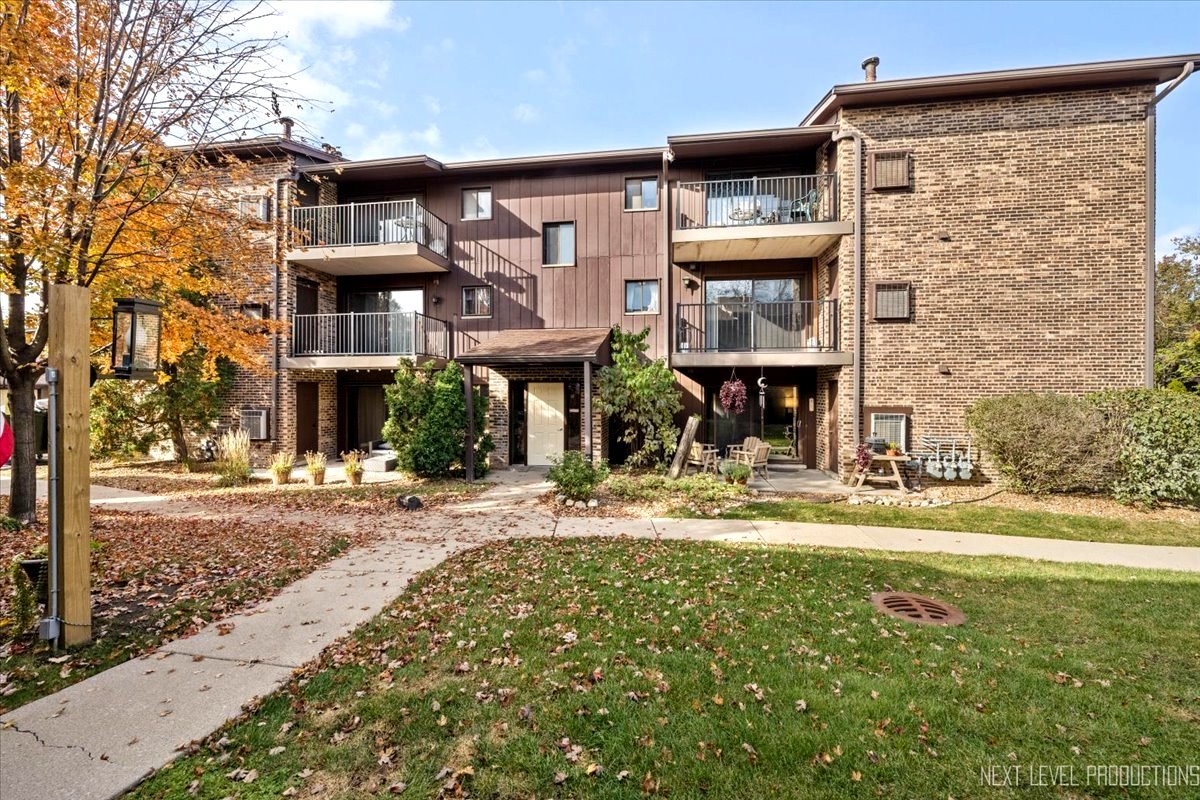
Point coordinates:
pixel 104 181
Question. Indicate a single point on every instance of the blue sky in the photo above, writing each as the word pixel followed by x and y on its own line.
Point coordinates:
pixel 465 80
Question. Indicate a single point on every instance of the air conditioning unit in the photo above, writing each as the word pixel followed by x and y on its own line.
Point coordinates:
pixel 254 423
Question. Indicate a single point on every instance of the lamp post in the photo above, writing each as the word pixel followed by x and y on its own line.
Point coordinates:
pixel 137 338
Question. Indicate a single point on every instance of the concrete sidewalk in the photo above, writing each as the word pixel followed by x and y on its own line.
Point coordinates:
pixel 102 736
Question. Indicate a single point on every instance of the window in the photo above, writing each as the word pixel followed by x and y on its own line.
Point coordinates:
pixel 477 301
pixel 477 203
pixel 890 301
pixel 558 244
pixel 641 194
pixel 641 297
pixel 891 427
pixel 888 169
pixel 256 206
pixel 254 311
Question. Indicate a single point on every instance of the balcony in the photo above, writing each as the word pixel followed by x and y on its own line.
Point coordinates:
pixel 736 333
pixel 392 236
pixel 792 216
pixel 374 340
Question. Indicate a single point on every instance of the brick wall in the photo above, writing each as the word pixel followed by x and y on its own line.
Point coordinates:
pixel 1023 235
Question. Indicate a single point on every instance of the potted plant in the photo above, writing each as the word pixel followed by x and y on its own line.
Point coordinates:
pixel 315 466
pixel 733 396
pixel 735 472
pixel 281 468
pixel 893 449
pixel 353 461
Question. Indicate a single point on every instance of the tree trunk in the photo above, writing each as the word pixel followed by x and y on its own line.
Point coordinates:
pixel 179 441
pixel 23 502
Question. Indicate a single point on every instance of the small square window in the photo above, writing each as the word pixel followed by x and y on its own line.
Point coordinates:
pixel 558 244
pixel 641 297
pixel 888 169
pixel 477 203
pixel 255 206
pixel 893 428
pixel 641 194
pixel 477 301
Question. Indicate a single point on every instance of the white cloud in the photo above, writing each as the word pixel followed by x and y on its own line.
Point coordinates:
pixel 479 150
pixel 382 107
pixel 526 113
pixel 399 143
pixel 430 137
pixel 432 104
pixel 305 22
pixel 355 130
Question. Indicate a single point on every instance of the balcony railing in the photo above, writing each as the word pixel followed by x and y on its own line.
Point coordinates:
pixel 385 222
pixel 383 333
pixel 755 201
pixel 741 326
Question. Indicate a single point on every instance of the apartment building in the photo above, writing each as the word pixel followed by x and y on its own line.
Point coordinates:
pixel 908 247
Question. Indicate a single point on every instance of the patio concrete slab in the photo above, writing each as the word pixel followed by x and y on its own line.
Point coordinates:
pixel 121 724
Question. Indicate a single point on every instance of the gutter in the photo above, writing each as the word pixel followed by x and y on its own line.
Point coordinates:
pixel 856 364
pixel 1151 179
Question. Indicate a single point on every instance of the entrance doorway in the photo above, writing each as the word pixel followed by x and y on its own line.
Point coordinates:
pixel 775 421
pixel 308 400
pixel 545 422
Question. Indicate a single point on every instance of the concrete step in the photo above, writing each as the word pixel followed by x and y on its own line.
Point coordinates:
pixel 383 462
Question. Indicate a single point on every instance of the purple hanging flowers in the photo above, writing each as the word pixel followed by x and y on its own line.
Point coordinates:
pixel 733 396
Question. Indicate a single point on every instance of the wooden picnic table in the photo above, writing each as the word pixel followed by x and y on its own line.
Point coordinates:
pixel 895 476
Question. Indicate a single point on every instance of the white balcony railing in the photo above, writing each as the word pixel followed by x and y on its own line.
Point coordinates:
pixel 383 333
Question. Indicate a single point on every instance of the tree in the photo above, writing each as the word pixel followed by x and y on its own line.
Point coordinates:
pixel 1177 317
pixel 128 417
pixel 427 420
pixel 105 181
pixel 643 395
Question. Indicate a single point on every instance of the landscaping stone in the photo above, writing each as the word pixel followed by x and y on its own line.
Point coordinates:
pixel 593 503
pixel 560 498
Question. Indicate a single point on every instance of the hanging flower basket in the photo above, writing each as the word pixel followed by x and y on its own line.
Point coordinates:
pixel 733 396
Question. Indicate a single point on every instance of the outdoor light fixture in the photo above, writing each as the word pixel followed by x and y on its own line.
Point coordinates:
pixel 137 338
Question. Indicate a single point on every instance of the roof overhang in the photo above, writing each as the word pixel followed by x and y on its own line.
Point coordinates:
pixel 772 140
pixel 541 346
pixel 274 146
pixel 424 166
pixel 1146 71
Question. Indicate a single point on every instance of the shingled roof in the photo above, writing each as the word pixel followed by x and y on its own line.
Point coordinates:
pixel 541 346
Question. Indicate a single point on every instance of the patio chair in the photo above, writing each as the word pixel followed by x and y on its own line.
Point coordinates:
pixel 748 445
pixel 756 459
pixel 806 207
pixel 703 456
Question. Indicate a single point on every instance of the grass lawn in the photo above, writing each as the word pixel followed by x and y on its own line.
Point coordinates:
pixel 615 668
pixel 978 519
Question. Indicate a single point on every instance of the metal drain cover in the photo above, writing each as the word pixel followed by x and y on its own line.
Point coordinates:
pixel 917 608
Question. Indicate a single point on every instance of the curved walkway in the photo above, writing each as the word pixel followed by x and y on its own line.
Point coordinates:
pixel 100 737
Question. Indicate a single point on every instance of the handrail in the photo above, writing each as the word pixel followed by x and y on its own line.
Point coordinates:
pixel 380 222
pixel 755 201
pixel 748 326
pixel 392 333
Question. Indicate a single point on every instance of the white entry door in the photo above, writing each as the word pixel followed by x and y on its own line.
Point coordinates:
pixel 545 421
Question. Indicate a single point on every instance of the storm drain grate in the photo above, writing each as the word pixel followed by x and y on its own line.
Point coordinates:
pixel 917 608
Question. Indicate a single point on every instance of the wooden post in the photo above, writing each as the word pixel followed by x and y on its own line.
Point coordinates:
pixel 679 463
pixel 469 451
pixel 69 319
pixel 587 410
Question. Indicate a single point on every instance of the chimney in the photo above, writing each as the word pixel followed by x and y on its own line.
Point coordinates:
pixel 869 67
pixel 286 123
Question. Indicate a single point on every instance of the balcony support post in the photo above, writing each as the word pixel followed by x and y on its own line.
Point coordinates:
pixel 587 410
pixel 469 445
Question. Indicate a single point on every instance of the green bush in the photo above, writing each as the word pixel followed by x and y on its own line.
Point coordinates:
pixel 233 458
pixel 1159 444
pixel 427 421
pixel 575 476
pixel 1044 443
pixel 643 396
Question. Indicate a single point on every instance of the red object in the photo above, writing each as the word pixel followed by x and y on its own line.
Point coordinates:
pixel 6 440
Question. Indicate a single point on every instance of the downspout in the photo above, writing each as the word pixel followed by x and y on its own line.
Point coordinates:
pixel 858 280
pixel 282 229
pixel 1151 124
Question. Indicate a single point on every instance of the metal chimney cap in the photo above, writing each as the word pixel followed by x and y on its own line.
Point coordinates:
pixel 873 61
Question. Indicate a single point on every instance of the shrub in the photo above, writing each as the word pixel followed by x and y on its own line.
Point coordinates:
pixel 233 458
pixel 643 395
pixel 1159 444
pixel 575 476
pixel 24 607
pixel 427 421
pixel 314 462
pixel 738 473
pixel 702 489
pixel 1046 442
pixel 352 461
pixel 281 466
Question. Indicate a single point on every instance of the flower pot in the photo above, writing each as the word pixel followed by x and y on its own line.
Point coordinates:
pixel 354 478
pixel 37 570
pixel 891 452
pixel 279 478
pixel 316 477
pixel 742 481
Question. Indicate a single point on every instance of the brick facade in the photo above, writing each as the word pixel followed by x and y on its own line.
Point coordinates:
pixel 1023 234
pixel 499 413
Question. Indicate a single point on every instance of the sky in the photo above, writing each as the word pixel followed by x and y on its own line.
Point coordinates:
pixel 461 81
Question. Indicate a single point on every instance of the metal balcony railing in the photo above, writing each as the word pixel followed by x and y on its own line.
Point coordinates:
pixel 755 201
pixel 383 333
pixel 384 222
pixel 742 326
